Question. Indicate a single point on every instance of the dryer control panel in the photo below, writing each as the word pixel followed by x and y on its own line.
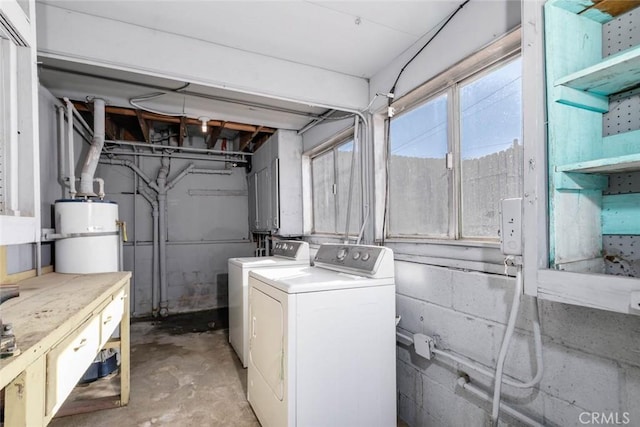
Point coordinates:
pixel 292 249
pixel 364 260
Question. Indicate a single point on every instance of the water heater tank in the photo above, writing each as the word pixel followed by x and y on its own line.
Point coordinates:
pixel 90 240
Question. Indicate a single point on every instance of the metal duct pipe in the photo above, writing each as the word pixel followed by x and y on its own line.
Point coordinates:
pixel 91 162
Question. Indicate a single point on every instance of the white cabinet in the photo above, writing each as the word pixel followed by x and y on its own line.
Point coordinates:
pixel 19 154
pixel 275 186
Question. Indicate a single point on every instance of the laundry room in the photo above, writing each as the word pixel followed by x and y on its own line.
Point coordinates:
pixel 319 213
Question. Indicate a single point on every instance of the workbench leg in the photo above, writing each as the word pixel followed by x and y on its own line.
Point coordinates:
pixel 25 397
pixel 125 348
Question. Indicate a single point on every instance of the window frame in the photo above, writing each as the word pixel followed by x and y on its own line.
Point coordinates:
pixel 331 146
pixel 474 255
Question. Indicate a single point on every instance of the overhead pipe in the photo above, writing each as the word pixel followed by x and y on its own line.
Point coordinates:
pixel 70 154
pixel 204 158
pixel 93 156
pixel 177 148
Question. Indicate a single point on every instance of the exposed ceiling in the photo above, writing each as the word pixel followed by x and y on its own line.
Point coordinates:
pixel 357 38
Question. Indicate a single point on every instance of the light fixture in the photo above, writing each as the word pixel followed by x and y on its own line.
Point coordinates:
pixel 204 121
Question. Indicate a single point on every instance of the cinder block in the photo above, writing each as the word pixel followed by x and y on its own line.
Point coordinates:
pixel 409 381
pixel 407 410
pixel 596 332
pixel 483 295
pixel 424 282
pixel 470 336
pixel 630 401
pixel 411 311
pixel 584 380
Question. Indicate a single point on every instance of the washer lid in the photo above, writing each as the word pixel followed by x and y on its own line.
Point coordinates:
pixel 313 279
pixel 266 262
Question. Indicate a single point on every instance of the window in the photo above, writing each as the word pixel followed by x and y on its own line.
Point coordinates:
pixel 455 155
pixel 335 176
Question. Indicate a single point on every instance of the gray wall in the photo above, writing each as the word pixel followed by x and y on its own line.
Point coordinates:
pixel 207 219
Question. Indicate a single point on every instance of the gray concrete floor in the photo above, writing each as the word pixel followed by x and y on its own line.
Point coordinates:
pixel 177 379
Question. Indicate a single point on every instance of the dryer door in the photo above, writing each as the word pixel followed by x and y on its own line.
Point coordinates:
pixel 267 340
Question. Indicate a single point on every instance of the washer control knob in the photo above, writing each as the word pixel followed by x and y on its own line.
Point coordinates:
pixel 366 256
pixel 342 254
pixel 356 255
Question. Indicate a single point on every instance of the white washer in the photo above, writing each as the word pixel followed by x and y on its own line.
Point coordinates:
pixel 286 253
pixel 322 347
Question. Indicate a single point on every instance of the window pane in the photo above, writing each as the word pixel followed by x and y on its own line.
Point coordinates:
pixel 322 175
pixel 344 155
pixel 491 147
pixel 419 186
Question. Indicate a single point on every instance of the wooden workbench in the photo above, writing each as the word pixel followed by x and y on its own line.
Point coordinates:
pixel 61 321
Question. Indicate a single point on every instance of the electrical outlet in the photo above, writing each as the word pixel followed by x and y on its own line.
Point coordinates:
pixel 511 226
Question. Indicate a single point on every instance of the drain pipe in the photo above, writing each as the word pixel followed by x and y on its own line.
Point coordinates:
pixel 155 300
pixel 72 172
pixel 161 182
pixel 93 157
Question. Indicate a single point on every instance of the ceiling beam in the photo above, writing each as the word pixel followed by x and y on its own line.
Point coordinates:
pixel 246 138
pixel 215 134
pixel 183 128
pixel 261 140
pixel 144 126
pixel 176 119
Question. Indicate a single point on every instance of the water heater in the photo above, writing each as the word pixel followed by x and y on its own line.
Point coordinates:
pixel 89 240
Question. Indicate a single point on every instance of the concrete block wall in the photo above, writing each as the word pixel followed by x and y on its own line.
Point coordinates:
pixel 591 357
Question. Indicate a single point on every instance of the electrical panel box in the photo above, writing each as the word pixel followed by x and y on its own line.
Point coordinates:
pixel 276 186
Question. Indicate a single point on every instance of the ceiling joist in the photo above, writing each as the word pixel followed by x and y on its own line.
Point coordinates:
pixel 81 106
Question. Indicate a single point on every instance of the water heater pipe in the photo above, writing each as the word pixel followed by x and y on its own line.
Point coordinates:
pixel 61 152
pixel 93 157
pixel 71 162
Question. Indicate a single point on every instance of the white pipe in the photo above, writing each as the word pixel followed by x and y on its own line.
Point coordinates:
pixel 71 165
pixel 537 337
pixel 462 382
pixel 100 182
pixel 93 156
pixel 61 152
pixel 495 412
pixel 351 172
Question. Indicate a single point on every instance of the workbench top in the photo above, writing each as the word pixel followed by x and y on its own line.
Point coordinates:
pixel 49 308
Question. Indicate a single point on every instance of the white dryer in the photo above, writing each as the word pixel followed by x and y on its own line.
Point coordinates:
pixel 286 253
pixel 322 347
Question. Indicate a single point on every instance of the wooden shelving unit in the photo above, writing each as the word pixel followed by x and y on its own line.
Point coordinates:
pixel 579 82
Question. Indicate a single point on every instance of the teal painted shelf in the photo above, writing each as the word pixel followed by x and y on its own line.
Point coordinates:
pixel 616 73
pixel 628 163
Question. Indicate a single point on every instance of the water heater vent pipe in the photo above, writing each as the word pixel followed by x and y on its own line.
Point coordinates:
pixel 91 162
